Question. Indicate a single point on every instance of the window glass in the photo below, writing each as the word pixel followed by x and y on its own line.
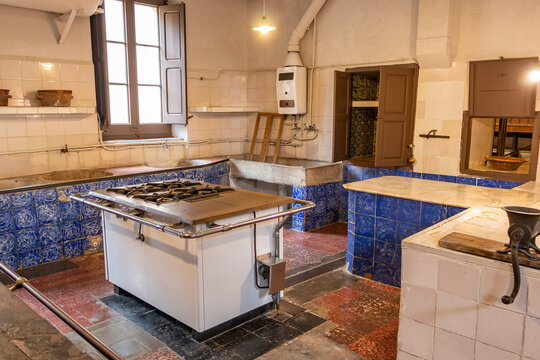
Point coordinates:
pixel 148 70
pixel 116 59
pixel 146 25
pixel 118 99
pixel 114 20
pixel 149 104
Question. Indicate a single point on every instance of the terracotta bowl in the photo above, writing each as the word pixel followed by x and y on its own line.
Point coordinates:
pixel 4 96
pixel 54 97
pixel 505 163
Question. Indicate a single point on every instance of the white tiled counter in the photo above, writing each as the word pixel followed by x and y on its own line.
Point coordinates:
pixel 451 301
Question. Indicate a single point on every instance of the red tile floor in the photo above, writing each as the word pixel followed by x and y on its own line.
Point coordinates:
pixel 303 248
pixel 365 312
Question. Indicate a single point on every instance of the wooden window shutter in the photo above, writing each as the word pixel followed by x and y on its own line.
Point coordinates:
pixel 397 96
pixel 342 113
pixel 172 29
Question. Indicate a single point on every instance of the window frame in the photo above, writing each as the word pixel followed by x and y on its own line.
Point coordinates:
pixel 133 130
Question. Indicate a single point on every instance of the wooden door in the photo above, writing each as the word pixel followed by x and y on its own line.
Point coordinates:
pixel 397 98
pixel 342 115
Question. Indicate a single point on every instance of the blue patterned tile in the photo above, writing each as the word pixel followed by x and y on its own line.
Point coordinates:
pixel 364 226
pixel 6 222
pixel 453 210
pixel 368 173
pixel 157 177
pixel 345 173
pixel 507 184
pixel 46 196
pixel 384 172
pixel 384 252
pixel 416 175
pixel 486 183
pixel 125 181
pixel 386 207
pixel 386 274
pixel 25 218
pixel 429 176
pixel 320 208
pixel 405 230
pixel 350 242
pixel 409 211
pixel 363 247
pixel 10 261
pixel 466 180
pixel 354 173
pixel 73 248
pixel 448 178
pixel 48 214
pixel 106 184
pixel 342 215
pixel 199 175
pixel 350 217
pixel 69 211
pixel 187 174
pixel 93 244
pixel 5 202
pixel 311 193
pixel 51 253
pixel 91 227
pixel 29 258
pixel 364 203
pixel 299 192
pixel 49 235
pixel 351 200
pixel 362 267
pixel 431 214
pixel 298 224
pixel 385 229
pixel 65 191
pixel 84 188
pixel 397 257
pixel 172 175
pixel 403 173
pixel 71 230
pixel 88 211
pixel 22 200
pixel 349 260
pixel 27 239
pixel 140 179
pixel 309 223
pixel 7 243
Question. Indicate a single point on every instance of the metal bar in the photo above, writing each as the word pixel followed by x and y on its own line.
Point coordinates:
pixel 92 340
pixel 197 234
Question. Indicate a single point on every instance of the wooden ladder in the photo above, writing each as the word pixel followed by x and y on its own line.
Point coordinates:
pixel 266 139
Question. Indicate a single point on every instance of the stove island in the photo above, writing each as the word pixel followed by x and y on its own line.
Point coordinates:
pixel 209 256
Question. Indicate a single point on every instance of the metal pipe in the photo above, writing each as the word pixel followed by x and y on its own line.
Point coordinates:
pixel 92 340
pixel 200 233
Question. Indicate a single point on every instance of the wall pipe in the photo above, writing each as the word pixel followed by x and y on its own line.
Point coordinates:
pixel 293 56
pixel 92 340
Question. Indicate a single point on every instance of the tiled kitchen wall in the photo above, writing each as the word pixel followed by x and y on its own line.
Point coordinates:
pixel 44 225
pixel 377 225
pixel 452 309
pixel 24 77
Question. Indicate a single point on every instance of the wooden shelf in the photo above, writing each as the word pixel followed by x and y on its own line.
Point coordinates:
pixel 44 110
pixel 374 103
pixel 223 109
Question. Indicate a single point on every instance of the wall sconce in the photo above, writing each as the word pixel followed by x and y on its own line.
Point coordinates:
pixel 264 27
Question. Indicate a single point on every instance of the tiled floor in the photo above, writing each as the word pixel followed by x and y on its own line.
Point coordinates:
pixel 346 317
pixel 304 248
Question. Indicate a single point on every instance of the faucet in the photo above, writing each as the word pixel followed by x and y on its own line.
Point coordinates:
pixel 64 149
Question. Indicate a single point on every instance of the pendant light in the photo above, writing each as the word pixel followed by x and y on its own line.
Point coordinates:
pixel 264 27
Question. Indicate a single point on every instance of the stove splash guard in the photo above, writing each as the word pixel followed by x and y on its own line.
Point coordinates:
pixel 524 227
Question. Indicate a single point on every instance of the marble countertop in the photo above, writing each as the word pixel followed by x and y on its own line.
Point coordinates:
pixel 445 193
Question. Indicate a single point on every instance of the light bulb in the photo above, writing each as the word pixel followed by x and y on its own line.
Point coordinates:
pixel 263 28
pixel 534 75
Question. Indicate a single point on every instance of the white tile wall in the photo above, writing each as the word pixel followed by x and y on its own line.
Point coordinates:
pixel 468 324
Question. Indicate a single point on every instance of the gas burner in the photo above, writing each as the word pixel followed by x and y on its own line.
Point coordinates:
pixel 171 191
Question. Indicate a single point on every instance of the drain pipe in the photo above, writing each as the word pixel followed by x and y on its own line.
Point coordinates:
pixel 293 55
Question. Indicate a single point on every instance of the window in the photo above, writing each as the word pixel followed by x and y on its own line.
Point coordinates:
pixel 139 57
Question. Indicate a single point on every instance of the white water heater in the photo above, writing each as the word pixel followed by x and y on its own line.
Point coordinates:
pixel 291 87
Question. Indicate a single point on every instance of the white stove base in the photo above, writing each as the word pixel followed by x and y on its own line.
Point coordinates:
pixel 200 282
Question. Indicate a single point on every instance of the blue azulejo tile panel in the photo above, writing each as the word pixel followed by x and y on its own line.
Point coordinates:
pixel 49 235
pixel 487 183
pixel 71 230
pixel 7 243
pixel 25 218
pixel 6 222
pixel 46 196
pixel 51 253
pixel 5 202
pixel 10 260
pixel 330 206
pixel 69 210
pixel 29 258
pixel 91 227
pixel 73 248
pixel 48 214
pixel 27 239
pixel 374 241
pixel 22 200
